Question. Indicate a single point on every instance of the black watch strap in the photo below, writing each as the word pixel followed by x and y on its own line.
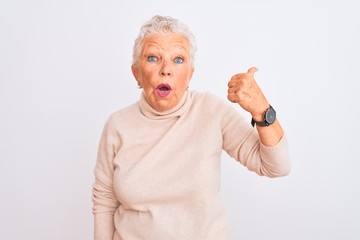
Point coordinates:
pixel 269 118
pixel 261 124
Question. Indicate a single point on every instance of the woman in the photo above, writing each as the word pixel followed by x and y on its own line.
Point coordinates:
pixel 158 167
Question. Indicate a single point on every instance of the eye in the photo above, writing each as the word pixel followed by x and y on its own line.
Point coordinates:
pixel 179 60
pixel 152 59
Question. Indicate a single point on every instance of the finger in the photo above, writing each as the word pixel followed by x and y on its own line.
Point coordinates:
pixel 233 83
pixel 238 75
pixel 232 90
pixel 252 71
pixel 232 97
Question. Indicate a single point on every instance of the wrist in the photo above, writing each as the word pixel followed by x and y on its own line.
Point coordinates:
pixel 259 116
pixel 267 118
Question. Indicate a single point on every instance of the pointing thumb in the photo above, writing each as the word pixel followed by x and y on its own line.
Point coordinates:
pixel 252 71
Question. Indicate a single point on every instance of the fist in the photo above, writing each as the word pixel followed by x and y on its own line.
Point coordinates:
pixel 244 90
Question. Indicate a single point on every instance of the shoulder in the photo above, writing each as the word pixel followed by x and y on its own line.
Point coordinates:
pixel 211 102
pixel 122 117
pixel 206 98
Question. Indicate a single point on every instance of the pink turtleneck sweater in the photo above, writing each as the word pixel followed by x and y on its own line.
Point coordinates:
pixel 157 175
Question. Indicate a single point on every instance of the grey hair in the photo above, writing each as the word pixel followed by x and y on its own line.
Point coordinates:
pixel 163 25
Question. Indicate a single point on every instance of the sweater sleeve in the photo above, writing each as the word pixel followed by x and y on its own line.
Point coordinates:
pixel 265 161
pixel 104 199
pixel 241 141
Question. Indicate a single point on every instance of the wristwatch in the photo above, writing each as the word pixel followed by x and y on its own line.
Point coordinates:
pixel 269 118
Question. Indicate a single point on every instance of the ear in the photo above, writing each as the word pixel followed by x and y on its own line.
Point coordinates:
pixel 135 73
pixel 191 73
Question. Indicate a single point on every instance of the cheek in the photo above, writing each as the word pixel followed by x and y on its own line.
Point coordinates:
pixel 146 76
pixel 187 76
pixel 183 81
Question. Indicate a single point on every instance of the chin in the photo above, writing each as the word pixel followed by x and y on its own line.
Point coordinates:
pixel 163 105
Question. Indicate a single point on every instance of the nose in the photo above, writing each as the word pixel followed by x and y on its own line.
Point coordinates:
pixel 165 70
pixel 164 73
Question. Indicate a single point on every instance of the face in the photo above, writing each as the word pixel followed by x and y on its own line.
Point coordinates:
pixel 164 69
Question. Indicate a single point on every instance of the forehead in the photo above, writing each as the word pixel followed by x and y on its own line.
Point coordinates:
pixel 165 42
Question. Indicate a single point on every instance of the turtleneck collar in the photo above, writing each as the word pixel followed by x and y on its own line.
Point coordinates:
pixel 177 111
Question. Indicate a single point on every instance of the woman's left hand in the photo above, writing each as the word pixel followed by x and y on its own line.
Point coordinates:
pixel 244 90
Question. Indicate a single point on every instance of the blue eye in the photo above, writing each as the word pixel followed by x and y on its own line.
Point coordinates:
pixel 152 59
pixel 179 60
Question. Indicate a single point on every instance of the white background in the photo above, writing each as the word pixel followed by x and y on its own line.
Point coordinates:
pixel 65 66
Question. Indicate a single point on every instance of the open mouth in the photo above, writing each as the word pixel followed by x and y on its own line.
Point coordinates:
pixel 163 90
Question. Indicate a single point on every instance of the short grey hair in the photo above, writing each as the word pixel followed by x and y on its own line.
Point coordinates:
pixel 163 25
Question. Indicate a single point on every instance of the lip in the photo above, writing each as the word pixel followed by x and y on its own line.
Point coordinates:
pixel 163 90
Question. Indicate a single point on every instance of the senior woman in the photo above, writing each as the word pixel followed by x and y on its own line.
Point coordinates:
pixel 157 174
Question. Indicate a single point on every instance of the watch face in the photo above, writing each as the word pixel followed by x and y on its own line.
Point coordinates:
pixel 270 116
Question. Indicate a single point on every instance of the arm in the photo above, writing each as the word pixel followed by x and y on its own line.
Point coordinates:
pixel 266 150
pixel 104 199
pixel 271 135
pixel 244 90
